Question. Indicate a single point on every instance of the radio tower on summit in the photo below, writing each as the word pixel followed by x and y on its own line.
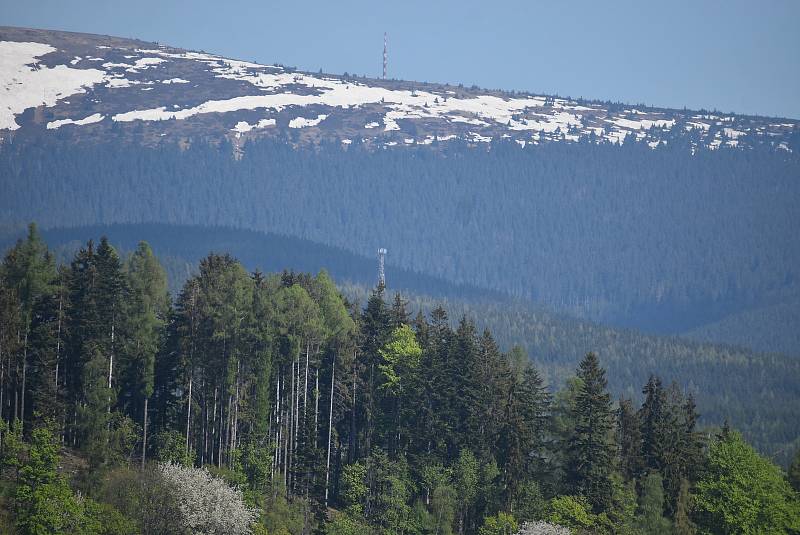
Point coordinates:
pixel 385 54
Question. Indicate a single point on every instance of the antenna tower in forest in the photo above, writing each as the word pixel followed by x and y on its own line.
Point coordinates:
pixel 385 54
pixel 381 271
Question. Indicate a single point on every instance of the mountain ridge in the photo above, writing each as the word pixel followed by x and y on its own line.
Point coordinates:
pixel 94 85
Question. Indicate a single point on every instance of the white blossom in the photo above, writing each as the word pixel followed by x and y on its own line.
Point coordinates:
pixel 209 506
pixel 542 528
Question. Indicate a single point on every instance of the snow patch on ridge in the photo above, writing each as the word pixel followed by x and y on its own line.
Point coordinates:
pixel 302 122
pixel 94 118
pixel 25 84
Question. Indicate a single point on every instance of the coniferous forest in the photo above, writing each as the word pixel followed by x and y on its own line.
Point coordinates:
pixel 269 404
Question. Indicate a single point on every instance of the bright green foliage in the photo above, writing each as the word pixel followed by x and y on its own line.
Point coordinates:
pixel 443 509
pixel 106 520
pixel 500 524
pixel 571 511
pixel 389 492
pixel 741 492
pixel 465 479
pixel 170 447
pixel 434 475
pixel 650 518
pixel 354 488
pixel 400 356
pixel 45 503
pixel 529 504
pixel 12 444
pixel 621 516
pixel 346 524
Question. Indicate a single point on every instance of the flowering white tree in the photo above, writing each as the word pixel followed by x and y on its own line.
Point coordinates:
pixel 209 506
pixel 542 528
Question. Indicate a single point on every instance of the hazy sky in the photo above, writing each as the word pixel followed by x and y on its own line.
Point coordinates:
pixel 730 55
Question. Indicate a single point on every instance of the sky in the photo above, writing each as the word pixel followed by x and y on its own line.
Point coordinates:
pixel 731 55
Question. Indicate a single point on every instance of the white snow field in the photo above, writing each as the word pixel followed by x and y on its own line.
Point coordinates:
pixel 94 118
pixel 25 84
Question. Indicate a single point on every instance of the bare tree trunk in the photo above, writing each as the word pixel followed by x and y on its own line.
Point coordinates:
pixel 351 449
pixel 330 428
pixel 316 405
pixel 110 368
pixel 292 438
pixel 235 437
pixel 277 419
pixel 305 388
pixel 213 427
pixel 188 411
pixel 222 426
pixel 2 382
pixel 58 338
pixel 144 434
pixel 24 377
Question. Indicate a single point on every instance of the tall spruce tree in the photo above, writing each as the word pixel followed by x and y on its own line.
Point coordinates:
pixel 146 310
pixel 29 270
pixel 629 441
pixel 590 451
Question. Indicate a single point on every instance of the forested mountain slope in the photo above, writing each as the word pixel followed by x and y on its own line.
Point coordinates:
pixel 664 220
pixel 655 239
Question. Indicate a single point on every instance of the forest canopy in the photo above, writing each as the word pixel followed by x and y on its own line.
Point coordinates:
pixel 291 409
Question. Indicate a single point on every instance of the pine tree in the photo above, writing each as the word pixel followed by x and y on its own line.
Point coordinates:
pixel 590 451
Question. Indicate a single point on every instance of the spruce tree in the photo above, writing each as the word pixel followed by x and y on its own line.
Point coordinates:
pixel 629 441
pixel 590 452
pixel 28 270
pixel 146 309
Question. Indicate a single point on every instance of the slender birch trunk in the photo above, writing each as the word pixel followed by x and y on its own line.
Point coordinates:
pixel 189 412
pixel 330 429
pixel 24 377
pixel 316 405
pixel 144 434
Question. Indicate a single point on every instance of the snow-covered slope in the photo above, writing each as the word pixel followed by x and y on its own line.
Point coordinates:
pixel 92 85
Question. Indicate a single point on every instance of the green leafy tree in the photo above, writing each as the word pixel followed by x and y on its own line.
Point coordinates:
pixel 443 509
pixel 465 479
pixel 794 472
pixel 499 524
pixel 650 518
pixel 683 521
pixel 45 503
pixel 741 492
